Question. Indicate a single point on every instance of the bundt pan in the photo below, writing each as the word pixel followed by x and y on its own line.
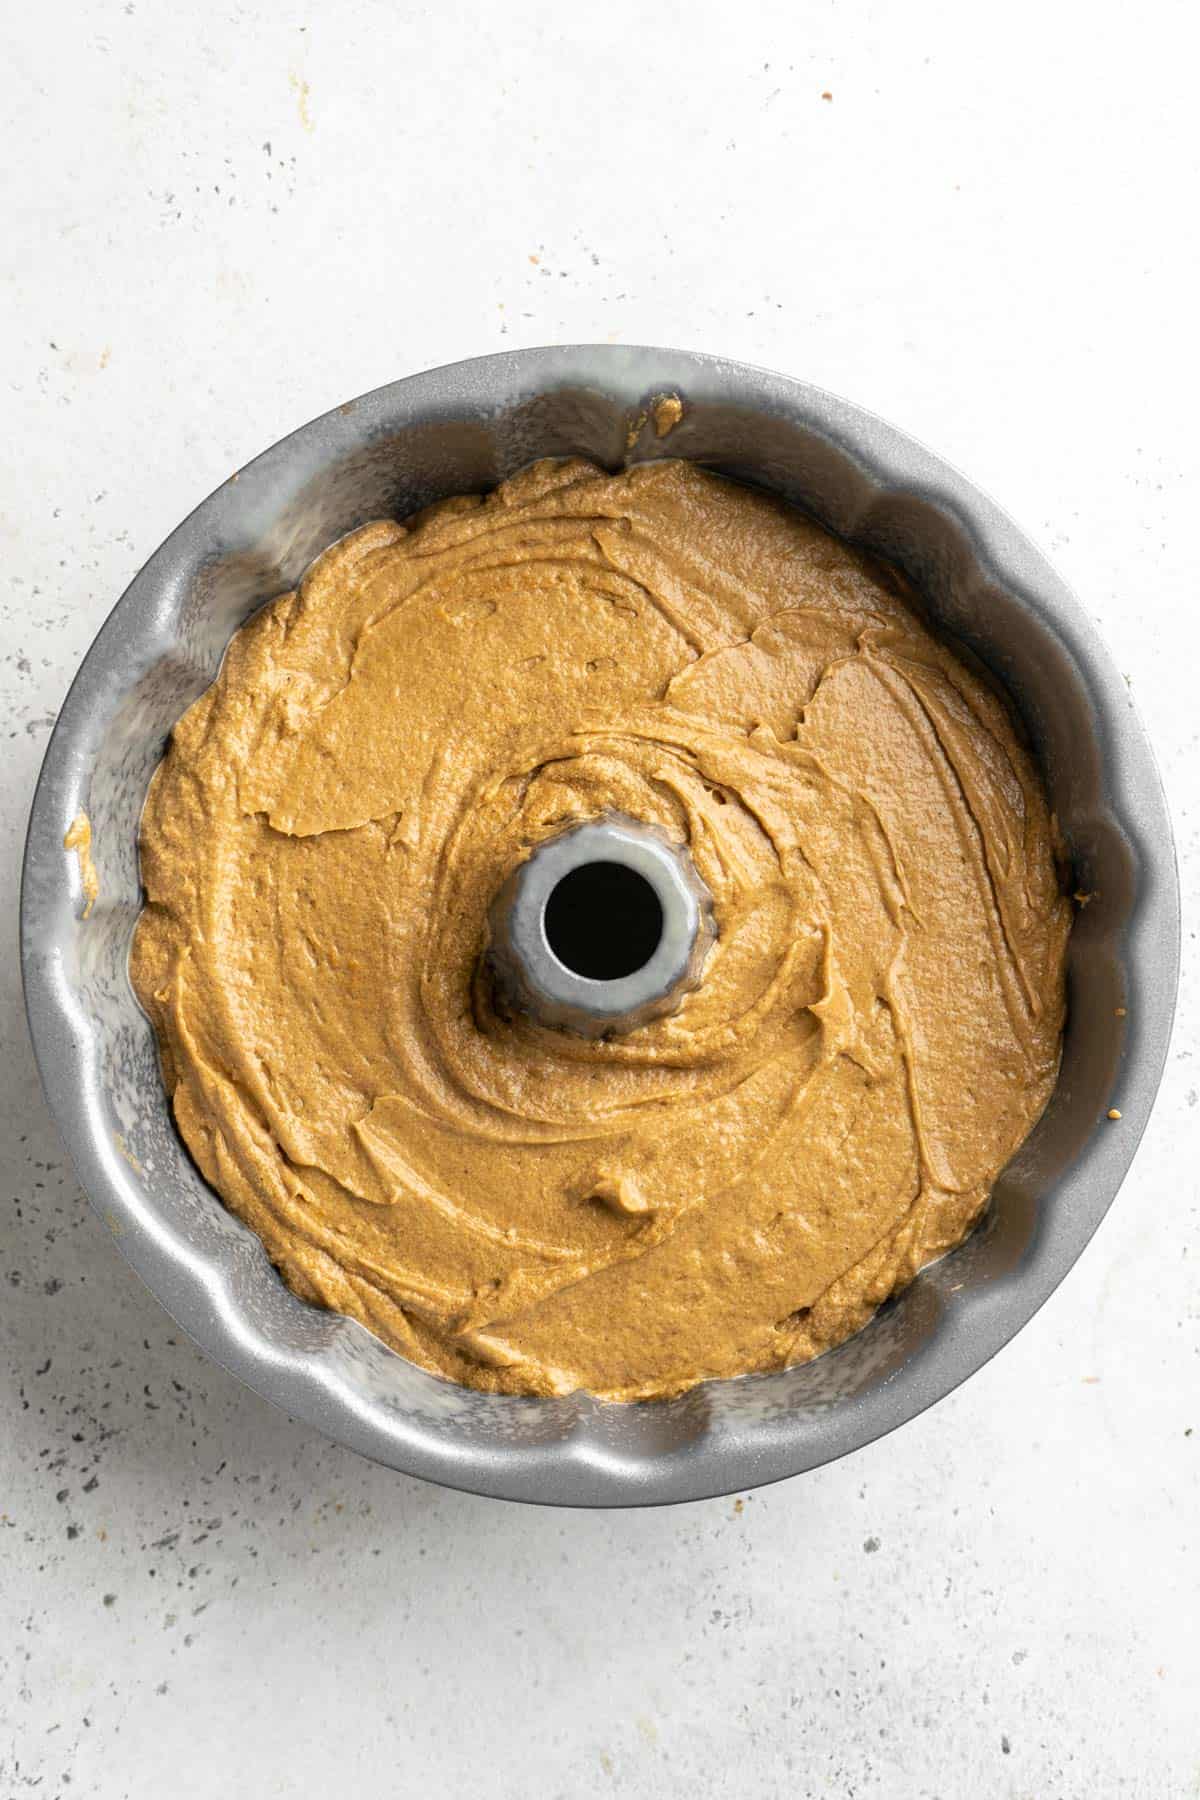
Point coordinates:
pixel 463 428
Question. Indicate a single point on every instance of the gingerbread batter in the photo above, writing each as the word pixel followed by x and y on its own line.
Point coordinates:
pixel 736 1187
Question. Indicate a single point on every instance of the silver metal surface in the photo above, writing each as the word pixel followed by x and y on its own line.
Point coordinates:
pixel 465 428
pixel 535 979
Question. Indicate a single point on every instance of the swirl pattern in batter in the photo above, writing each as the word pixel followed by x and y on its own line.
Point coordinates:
pixel 734 1188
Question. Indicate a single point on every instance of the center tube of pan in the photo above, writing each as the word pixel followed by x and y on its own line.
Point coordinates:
pixel 601 929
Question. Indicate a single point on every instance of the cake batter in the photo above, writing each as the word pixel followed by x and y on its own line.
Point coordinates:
pixel 736 1187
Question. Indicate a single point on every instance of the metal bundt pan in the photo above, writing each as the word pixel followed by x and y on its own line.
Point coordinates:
pixel 466 427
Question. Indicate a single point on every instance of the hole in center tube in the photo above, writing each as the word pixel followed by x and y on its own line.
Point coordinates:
pixel 603 921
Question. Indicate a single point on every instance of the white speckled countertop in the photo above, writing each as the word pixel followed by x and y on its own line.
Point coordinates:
pixel 976 221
